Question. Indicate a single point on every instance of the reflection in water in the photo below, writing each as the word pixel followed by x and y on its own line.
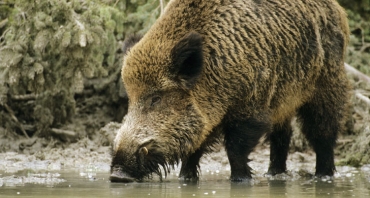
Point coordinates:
pixel 348 182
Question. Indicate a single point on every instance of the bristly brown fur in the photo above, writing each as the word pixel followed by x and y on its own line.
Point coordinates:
pixel 240 68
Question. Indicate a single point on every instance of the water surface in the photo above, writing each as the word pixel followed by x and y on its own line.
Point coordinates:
pixel 90 182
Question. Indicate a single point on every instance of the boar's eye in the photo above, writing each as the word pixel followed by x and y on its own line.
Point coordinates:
pixel 155 100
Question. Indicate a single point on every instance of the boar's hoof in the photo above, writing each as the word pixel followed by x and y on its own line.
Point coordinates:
pixel 119 176
pixel 240 179
pixel 275 171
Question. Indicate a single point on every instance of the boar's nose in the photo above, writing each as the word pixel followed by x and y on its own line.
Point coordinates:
pixel 118 175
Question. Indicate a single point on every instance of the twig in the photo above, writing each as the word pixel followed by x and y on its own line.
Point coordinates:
pixel 29 127
pixel 24 97
pixel 364 47
pixel 357 73
pixel 115 4
pixel 162 6
pixel 344 141
pixel 3 22
pixel 10 111
pixel 64 132
pixel 2 38
pixel 362 98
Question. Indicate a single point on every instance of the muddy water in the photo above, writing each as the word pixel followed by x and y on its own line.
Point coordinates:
pixel 92 181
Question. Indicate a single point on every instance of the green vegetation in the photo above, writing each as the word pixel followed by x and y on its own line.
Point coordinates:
pixel 356 146
pixel 361 7
pixel 358 54
pixel 50 48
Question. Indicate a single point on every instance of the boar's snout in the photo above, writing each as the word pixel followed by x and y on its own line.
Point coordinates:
pixel 118 175
pixel 129 168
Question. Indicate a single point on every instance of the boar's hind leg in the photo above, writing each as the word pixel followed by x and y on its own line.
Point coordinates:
pixel 279 147
pixel 322 119
pixel 241 137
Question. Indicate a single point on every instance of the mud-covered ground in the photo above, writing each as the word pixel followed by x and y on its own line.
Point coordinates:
pixel 85 154
pixel 41 154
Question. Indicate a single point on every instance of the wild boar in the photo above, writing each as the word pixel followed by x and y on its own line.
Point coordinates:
pixel 237 70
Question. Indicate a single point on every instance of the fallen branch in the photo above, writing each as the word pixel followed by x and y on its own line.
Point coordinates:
pixel 364 47
pixel 3 23
pixel 10 111
pixel 63 132
pixel 362 98
pixel 356 73
pixel 24 97
pixel 162 6
pixel 2 39
pixel 29 127
pixel 344 141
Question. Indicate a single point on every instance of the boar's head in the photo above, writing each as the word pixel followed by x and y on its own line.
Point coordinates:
pixel 163 124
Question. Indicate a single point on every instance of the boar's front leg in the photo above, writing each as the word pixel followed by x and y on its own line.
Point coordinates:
pixel 190 166
pixel 241 136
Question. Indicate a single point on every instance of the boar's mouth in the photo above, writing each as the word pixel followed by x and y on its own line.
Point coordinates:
pixel 118 175
pixel 144 163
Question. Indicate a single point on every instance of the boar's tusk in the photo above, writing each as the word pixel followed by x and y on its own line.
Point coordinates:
pixel 144 150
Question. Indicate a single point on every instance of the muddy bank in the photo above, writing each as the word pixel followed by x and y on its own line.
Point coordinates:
pixel 86 161
pixel 52 155
pixel 95 153
pixel 84 155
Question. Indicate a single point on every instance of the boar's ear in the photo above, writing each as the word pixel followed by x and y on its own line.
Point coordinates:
pixel 187 59
pixel 129 42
